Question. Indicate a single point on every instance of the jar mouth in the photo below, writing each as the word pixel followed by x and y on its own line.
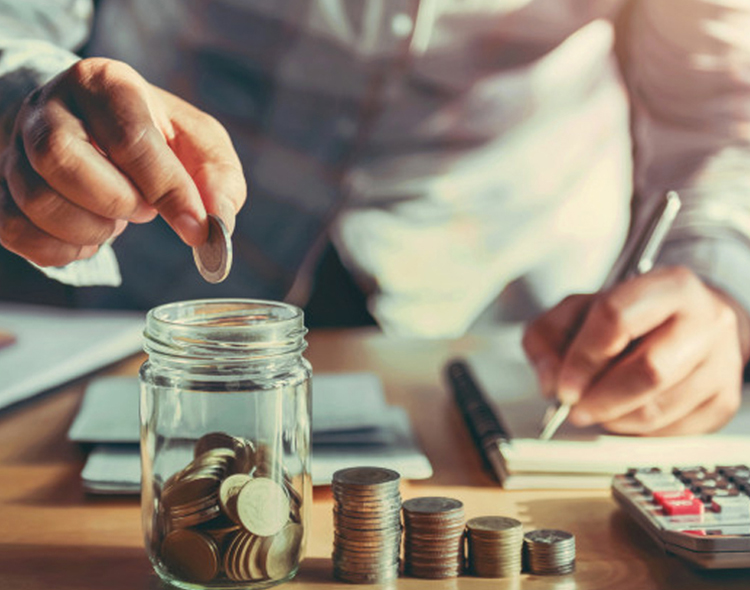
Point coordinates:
pixel 224 329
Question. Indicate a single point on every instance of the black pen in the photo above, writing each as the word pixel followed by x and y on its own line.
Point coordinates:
pixel 485 426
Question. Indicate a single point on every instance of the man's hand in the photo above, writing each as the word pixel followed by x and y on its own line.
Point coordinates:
pixel 98 147
pixel 660 354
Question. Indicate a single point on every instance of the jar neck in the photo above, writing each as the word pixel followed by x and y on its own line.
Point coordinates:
pixel 225 332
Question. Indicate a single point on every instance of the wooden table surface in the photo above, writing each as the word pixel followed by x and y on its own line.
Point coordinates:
pixel 55 537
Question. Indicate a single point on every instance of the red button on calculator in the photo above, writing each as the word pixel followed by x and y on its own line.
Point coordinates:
pixel 675 507
pixel 661 497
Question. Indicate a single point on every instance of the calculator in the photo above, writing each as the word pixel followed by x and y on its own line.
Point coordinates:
pixel 700 514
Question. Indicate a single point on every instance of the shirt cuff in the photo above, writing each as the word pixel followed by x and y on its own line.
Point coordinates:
pixel 723 262
pixel 101 269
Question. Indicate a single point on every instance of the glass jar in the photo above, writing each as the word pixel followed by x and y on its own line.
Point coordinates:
pixel 225 442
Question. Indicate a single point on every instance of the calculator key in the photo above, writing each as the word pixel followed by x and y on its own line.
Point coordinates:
pixel 736 506
pixel 659 482
pixel 708 496
pixel 682 507
pixel 661 497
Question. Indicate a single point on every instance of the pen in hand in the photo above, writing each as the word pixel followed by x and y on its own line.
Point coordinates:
pixel 640 261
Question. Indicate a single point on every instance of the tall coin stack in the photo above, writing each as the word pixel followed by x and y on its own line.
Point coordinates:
pixel 433 537
pixel 550 552
pixel 367 525
pixel 494 546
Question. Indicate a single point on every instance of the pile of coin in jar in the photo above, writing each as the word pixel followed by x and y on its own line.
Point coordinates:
pixel 367 525
pixel 433 537
pixel 231 513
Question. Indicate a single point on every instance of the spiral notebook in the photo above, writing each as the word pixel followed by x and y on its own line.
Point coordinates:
pixel 583 458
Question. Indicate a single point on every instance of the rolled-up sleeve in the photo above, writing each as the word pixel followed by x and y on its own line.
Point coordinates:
pixel 38 39
pixel 688 72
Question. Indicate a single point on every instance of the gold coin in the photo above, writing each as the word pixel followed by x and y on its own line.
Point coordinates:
pixel 214 257
pixel 263 507
pixel 191 556
pixel 228 492
pixel 279 554
pixel 213 440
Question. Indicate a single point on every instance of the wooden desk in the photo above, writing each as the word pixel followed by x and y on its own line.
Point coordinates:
pixel 54 537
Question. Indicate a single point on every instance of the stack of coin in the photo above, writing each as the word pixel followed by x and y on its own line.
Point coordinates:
pixel 433 537
pixel 494 546
pixel 367 525
pixel 229 514
pixel 549 552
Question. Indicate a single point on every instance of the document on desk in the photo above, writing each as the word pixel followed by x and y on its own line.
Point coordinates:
pixel 583 457
pixel 46 347
pixel 370 432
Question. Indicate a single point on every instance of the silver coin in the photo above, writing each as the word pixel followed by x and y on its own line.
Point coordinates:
pixel 214 257
pixel 365 476
pixel 548 536
pixel 432 505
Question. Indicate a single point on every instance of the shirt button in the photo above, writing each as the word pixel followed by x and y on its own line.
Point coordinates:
pixel 402 25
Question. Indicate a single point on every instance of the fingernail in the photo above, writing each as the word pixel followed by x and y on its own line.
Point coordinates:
pixel 545 372
pixel 226 211
pixel 580 417
pixel 192 232
pixel 569 388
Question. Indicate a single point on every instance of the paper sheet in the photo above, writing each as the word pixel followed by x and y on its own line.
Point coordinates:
pixel 54 345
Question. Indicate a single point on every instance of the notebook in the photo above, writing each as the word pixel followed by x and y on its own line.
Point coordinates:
pixel 370 432
pixel 44 347
pixel 584 458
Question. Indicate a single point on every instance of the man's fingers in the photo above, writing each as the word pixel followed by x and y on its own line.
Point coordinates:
pixel 707 417
pixel 116 111
pixel 50 211
pixel 617 318
pixel 59 149
pixel 547 337
pixel 660 360
pixel 19 235
pixel 205 149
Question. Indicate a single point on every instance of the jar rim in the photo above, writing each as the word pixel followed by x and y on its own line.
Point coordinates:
pixel 224 328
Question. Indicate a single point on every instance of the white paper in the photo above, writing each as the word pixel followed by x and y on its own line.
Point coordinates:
pixel 55 345
pixel 117 468
pixel 347 408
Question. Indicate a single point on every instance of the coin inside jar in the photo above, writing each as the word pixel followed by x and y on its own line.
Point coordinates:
pixel 214 258
pixel 190 555
pixel 279 554
pixel 228 492
pixel 263 506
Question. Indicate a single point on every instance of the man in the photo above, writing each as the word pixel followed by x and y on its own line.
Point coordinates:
pixel 462 157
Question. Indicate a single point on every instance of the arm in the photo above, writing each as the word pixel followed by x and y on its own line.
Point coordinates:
pixel 663 353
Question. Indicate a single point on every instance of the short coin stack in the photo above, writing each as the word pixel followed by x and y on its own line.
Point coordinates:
pixel 367 525
pixel 494 546
pixel 226 515
pixel 433 537
pixel 550 552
